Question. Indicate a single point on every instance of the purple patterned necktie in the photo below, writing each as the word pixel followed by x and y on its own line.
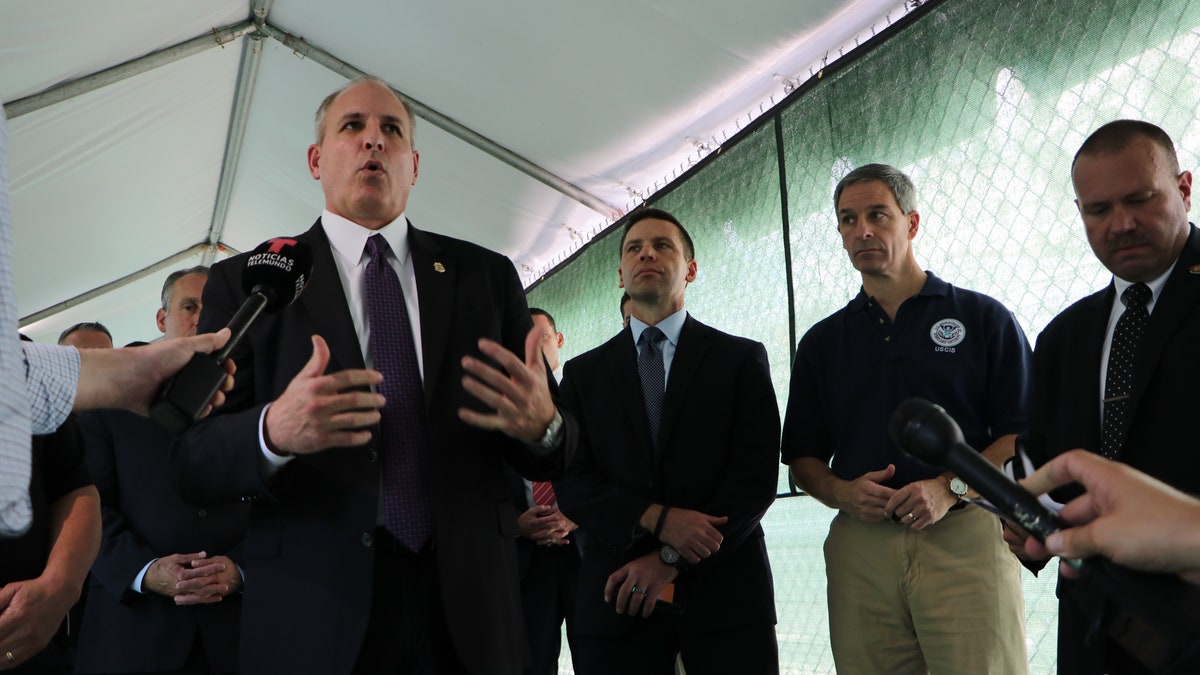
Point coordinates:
pixel 407 505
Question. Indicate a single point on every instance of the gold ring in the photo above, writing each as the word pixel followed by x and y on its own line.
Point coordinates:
pixel 912 516
pixel 10 657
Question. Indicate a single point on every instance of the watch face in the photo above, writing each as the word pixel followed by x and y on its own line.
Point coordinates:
pixel 958 487
pixel 668 555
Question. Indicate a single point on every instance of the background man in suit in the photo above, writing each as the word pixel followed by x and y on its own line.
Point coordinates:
pixel 916 583
pixel 547 556
pixel 672 475
pixel 334 582
pixel 87 335
pixel 1134 202
pixel 163 595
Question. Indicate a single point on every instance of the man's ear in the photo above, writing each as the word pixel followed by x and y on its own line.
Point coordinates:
pixel 314 161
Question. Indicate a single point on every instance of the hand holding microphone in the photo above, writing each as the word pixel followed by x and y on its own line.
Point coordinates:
pixel 1154 617
pixel 275 275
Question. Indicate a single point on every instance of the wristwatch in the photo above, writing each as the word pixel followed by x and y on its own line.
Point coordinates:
pixel 668 555
pixel 549 437
pixel 958 487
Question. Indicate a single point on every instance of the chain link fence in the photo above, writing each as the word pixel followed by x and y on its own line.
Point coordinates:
pixel 983 103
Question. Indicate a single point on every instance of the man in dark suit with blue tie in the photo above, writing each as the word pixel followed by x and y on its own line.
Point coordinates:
pixel 1129 394
pixel 677 462
pixel 369 423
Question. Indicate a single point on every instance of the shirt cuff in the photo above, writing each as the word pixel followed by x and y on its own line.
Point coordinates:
pixel 136 586
pixel 270 463
pixel 51 378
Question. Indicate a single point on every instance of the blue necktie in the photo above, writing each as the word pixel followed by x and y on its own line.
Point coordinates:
pixel 1118 381
pixel 407 504
pixel 654 377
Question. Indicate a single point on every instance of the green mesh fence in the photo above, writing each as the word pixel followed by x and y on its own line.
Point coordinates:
pixel 983 103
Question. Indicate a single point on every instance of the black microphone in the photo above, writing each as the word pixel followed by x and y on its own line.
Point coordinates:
pixel 275 275
pixel 1154 617
pixel 926 432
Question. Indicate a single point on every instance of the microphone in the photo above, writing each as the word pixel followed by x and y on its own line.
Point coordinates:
pixel 275 275
pixel 926 432
pixel 1154 617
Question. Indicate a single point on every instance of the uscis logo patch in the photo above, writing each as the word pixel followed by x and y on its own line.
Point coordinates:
pixel 946 334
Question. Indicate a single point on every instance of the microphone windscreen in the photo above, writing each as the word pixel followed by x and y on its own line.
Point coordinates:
pixel 279 269
pixel 924 430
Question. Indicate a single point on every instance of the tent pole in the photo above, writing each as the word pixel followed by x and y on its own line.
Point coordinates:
pixel 124 71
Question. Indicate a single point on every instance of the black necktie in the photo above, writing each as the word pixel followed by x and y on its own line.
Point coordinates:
pixel 407 505
pixel 654 378
pixel 1118 381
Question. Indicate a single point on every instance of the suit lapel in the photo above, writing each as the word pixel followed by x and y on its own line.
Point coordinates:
pixel 622 361
pixel 325 301
pixel 1175 304
pixel 1091 343
pixel 694 343
pixel 436 275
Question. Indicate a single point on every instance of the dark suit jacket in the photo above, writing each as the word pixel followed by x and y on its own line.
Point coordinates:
pixel 718 453
pixel 1165 398
pixel 145 518
pixel 308 556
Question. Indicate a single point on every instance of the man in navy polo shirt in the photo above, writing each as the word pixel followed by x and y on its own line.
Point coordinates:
pixel 916 583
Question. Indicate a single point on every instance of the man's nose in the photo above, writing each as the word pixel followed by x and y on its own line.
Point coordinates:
pixel 1122 220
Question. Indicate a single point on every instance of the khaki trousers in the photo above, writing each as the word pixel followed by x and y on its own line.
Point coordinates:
pixel 944 600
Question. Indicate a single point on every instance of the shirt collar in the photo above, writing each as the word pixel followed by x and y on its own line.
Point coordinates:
pixel 934 286
pixel 1155 285
pixel 670 326
pixel 349 239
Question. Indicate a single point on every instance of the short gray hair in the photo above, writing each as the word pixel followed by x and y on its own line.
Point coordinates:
pixel 897 181
pixel 169 285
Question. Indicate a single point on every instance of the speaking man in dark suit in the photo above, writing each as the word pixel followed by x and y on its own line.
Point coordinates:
pixel 677 462
pixel 369 423
pixel 163 595
pixel 1124 386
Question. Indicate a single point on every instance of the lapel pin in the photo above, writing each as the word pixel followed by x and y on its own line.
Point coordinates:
pixel 439 268
pixel 1194 269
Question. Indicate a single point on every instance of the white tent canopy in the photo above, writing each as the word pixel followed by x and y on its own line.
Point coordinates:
pixel 150 135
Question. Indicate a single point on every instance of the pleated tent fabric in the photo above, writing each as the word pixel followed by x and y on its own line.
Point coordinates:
pixel 151 135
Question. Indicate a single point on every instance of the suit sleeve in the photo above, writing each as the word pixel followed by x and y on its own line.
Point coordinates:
pixel 603 508
pixel 122 553
pixel 517 324
pixel 748 486
pixel 216 460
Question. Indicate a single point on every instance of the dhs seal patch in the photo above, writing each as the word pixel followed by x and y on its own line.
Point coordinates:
pixel 946 334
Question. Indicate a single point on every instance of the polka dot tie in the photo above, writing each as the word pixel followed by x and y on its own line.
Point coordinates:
pixel 407 505
pixel 1118 382
pixel 654 377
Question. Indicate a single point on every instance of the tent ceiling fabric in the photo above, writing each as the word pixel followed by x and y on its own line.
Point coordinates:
pixel 113 188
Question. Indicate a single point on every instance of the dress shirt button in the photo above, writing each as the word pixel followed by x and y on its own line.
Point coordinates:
pixel 372 455
pixel 368 540
pixel 202 513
